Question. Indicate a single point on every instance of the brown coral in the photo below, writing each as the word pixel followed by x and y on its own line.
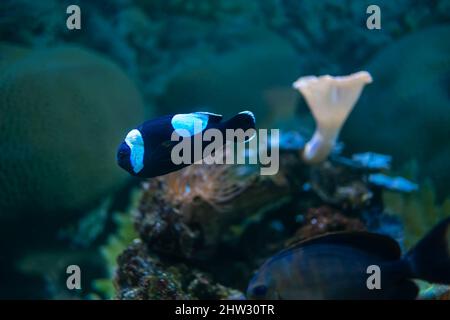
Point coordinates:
pixel 186 213
pixel 340 185
pixel 323 220
pixel 142 276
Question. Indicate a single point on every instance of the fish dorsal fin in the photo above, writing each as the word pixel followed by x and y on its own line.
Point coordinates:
pixel 212 117
pixel 189 124
pixel 380 245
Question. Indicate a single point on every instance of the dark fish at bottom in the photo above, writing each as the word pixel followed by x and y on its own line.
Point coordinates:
pixel 334 266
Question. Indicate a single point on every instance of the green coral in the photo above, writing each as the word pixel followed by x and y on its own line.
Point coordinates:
pixel 67 110
pixel 117 242
pixel 87 229
pixel 114 246
pixel 216 80
pixel 418 211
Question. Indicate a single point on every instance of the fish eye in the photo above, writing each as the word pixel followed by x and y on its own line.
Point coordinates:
pixel 260 291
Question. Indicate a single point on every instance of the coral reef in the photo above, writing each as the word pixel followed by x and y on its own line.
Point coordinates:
pixel 216 80
pixel 142 275
pixel 325 219
pixel 67 108
pixel 204 230
pixel 186 213
pixel 346 183
pixel 330 99
pixel 207 229
pixel 340 185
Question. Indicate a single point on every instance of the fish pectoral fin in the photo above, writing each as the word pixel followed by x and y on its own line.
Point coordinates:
pixel 167 144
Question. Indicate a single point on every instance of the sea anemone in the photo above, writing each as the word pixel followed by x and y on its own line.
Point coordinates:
pixel 186 213
pixel 331 99
pixel 214 184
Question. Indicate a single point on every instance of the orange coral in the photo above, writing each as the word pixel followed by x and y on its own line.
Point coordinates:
pixel 217 185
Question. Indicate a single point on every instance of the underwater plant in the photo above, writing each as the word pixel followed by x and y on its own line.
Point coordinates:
pixel 330 99
pixel 418 211
pixel 111 250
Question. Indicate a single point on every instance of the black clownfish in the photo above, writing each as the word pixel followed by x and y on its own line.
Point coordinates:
pixel 146 150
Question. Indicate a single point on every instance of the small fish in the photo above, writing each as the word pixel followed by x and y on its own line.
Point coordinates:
pixel 398 184
pixel 334 266
pixel 371 160
pixel 146 150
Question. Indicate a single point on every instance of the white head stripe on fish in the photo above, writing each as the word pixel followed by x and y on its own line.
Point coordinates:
pixel 192 123
pixel 136 144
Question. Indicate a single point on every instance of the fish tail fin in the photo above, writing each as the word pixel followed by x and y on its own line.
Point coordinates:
pixel 430 259
pixel 244 120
